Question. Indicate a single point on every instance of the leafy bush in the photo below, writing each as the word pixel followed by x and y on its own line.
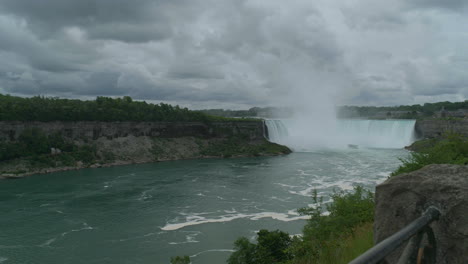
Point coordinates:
pixel 453 149
pixel 323 233
pixel 326 237
pixel 180 260
pixel 272 247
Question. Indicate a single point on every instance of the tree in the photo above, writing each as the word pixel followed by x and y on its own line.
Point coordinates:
pixel 272 248
pixel 180 260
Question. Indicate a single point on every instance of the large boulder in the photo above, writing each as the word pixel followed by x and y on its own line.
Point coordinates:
pixel 401 199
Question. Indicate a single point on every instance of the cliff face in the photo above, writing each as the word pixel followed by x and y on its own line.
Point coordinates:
pixel 96 144
pixel 433 128
pixel 10 131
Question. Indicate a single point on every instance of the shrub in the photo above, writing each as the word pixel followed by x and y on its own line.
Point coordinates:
pixel 323 233
pixel 453 149
pixel 272 247
pixel 180 260
pixel 326 237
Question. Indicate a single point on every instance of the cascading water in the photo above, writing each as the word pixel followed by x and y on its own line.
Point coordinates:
pixel 345 132
pixel 277 131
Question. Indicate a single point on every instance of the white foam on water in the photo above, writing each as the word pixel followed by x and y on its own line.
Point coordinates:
pixel 232 211
pixel 287 185
pixel 138 237
pixel 85 227
pixel 2 259
pixel 48 242
pixel 345 185
pixel 190 238
pixel 145 196
pixel 201 220
pixel 212 250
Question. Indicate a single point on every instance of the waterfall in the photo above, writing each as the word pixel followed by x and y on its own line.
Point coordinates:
pixel 344 132
pixel 277 131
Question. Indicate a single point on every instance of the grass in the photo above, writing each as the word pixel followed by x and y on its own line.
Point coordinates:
pixel 351 246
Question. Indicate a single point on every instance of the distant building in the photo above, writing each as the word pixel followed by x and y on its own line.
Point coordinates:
pixel 460 113
pixel 396 114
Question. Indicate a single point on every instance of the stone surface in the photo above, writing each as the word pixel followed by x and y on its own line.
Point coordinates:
pixel 433 128
pixel 401 199
pixel 11 130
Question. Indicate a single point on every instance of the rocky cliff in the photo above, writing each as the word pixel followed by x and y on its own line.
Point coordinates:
pixel 10 131
pixel 433 128
pixel 96 144
pixel 401 199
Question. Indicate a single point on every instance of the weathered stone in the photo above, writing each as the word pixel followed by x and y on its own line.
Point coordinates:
pixel 11 130
pixel 434 128
pixel 401 199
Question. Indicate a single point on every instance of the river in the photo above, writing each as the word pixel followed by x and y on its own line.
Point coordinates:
pixel 148 213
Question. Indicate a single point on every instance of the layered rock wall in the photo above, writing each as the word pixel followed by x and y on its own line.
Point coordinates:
pixel 10 131
pixel 433 128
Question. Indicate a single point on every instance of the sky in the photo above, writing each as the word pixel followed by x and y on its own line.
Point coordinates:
pixel 237 54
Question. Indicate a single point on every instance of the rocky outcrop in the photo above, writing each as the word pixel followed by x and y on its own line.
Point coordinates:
pixel 402 199
pixel 98 144
pixel 11 130
pixel 434 128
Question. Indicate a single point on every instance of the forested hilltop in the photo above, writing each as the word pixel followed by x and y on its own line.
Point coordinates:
pixel 417 111
pixel 48 109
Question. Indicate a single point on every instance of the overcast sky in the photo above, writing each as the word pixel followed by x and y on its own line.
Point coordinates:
pixel 235 53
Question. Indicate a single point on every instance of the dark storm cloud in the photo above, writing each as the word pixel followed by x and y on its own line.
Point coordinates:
pixel 455 5
pixel 132 21
pixel 235 52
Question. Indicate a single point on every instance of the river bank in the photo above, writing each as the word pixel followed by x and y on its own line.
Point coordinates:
pixel 105 152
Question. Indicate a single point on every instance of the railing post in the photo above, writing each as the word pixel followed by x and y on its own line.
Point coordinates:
pixel 385 247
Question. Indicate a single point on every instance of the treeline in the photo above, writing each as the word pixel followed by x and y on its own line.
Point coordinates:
pixel 416 111
pixel 277 112
pixel 402 111
pixel 47 109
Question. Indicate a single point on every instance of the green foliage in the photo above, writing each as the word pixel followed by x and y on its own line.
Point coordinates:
pixel 323 233
pixel 35 146
pixel 245 252
pixel 252 112
pixel 404 111
pixel 102 109
pixel 237 146
pixel 453 149
pixel 31 142
pixel 272 247
pixel 180 260
pixel 337 237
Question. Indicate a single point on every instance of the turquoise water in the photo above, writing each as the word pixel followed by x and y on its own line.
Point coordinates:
pixel 148 213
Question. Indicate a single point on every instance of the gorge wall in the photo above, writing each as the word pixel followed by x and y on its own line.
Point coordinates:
pixel 433 128
pixel 96 144
pixel 10 131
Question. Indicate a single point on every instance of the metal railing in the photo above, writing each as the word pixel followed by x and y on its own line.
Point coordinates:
pixel 420 249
